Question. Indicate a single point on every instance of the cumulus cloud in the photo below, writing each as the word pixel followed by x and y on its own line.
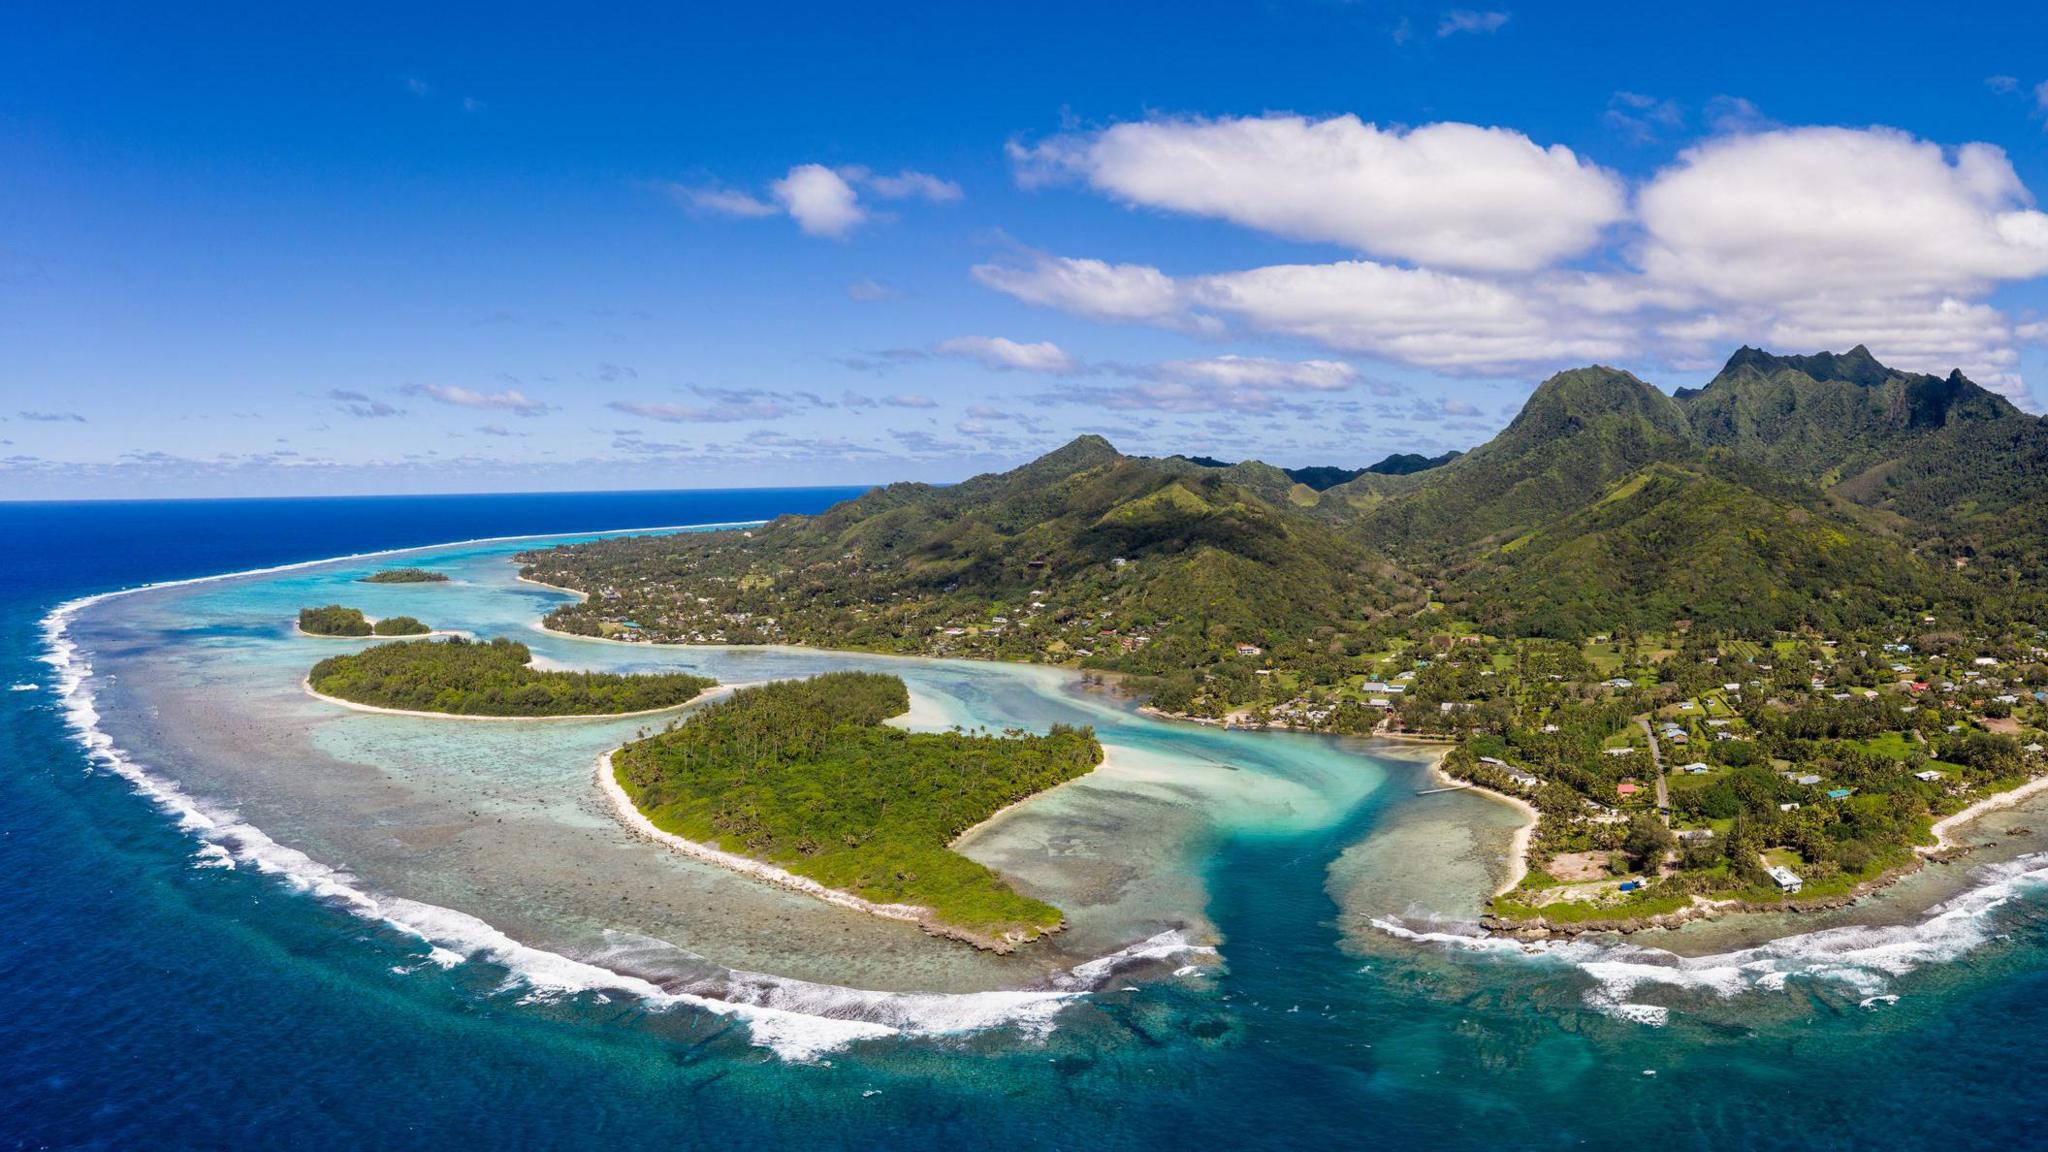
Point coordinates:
pixel 909 400
pixel 511 400
pixel 1797 238
pixel 823 201
pixel 869 291
pixel 1449 195
pixel 820 201
pixel 1416 316
pixel 1851 235
pixel 1467 20
pixel 1092 288
pixel 1787 214
pixel 1004 355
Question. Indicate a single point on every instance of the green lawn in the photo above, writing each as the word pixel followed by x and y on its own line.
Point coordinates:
pixel 1896 745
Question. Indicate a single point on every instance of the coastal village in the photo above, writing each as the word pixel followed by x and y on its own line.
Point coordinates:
pixel 1669 772
pixel 1673 775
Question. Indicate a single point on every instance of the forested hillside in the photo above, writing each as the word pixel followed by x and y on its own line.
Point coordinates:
pixel 1792 495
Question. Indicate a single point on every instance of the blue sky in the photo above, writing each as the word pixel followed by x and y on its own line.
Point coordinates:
pixel 246 251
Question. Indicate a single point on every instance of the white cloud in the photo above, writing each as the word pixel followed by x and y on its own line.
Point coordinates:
pixel 721 410
pixel 909 400
pixel 511 400
pixel 1449 195
pixel 1222 383
pixel 1006 355
pixel 1415 316
pixel 1825 237
pixel 1466 20
pixel 820 200
pixel 721 201
pixel 869 291
pixel 906 185
pixel 1238 372
pixel 823 201
pixel 1794 238
pixel 1640 118
pixel 1789 214
pixel 1091 288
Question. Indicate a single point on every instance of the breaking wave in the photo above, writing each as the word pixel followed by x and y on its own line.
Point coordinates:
pixel 1865 959
pixel 797 1020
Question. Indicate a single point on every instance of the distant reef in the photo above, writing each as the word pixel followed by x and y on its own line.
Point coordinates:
pixel 405 576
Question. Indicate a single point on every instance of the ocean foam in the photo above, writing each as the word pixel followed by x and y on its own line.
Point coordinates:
pixel 797 1020
pixel 1862 958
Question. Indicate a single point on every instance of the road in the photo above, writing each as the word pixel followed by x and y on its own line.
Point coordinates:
pixel 1657 758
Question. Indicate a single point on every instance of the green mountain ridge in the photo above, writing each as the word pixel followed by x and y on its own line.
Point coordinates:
pixel 1825 416
pixel 1674 542
pixel 1792 492
pixel 1578 432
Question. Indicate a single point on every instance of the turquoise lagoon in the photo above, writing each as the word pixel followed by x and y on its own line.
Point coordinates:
pixel 1269 938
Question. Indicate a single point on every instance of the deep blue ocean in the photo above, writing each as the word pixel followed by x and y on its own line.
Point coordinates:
pixel 148 1004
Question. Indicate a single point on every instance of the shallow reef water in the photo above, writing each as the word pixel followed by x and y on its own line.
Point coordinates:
pixel 240 914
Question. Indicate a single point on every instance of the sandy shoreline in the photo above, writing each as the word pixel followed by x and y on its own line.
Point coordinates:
pixel 710 693
pixel 1991 803
pixel 1518 847
pixel 551 588
pixel 636 822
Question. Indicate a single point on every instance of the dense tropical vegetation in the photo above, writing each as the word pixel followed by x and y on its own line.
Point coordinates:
pixel 336 620
pixel 1803 539
pixel 405 576
pixel 805 775
pixel 477 678
pixel 333 620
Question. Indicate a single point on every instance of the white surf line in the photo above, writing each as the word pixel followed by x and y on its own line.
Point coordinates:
pixel 454 937
pixel 1863 957
pixel 713 692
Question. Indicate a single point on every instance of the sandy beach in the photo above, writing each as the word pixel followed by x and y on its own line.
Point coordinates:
pixel 1518 848
pixel 1992 803
pixel 637 822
